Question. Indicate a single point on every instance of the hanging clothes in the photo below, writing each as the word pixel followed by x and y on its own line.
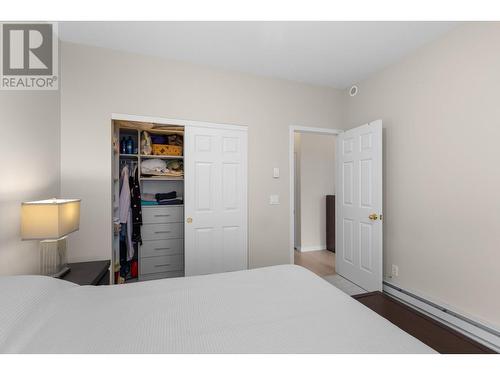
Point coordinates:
pixel 125 209
pixel 136 207
pixel 124 269
pixel 124 195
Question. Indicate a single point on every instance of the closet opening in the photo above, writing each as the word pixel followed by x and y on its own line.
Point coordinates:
pixel 148 201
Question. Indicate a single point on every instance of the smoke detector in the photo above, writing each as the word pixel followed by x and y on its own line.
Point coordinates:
pixel 353 91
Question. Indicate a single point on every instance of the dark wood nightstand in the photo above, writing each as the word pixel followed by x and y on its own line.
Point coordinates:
pixel 88 273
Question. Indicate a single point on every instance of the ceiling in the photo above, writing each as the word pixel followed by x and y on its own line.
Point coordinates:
pixel 336 54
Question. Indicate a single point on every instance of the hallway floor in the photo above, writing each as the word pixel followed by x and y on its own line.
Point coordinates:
pixel 321 262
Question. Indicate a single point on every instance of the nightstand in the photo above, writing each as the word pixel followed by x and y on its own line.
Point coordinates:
pixel 89 273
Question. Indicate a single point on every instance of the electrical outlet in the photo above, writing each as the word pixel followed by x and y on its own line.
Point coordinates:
pixel 395 270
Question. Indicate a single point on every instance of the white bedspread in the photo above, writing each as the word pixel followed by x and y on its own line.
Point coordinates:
pixel 282 309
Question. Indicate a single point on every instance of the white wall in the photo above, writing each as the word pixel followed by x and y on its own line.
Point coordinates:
pixel 30 169
pixel 317 179
pixel 440 109
pixel 97 82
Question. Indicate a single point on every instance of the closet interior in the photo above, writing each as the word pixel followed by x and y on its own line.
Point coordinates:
pixel 148 201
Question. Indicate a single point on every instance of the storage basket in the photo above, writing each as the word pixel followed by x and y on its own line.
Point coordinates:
pixel 159 149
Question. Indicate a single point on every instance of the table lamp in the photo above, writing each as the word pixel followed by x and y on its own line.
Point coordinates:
pixel 51 221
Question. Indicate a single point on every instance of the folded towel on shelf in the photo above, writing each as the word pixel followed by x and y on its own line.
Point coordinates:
pixel 153 167
pixel 170 202
pixel 158 167
pixel 149 203
pixel 148 197
pixel 169 195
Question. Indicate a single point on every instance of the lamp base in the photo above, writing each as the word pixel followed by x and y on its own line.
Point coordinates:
pixel 53 258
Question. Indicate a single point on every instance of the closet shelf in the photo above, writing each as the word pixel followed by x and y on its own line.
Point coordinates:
pixel 161 178
pixel 161 157
pixel 129 155
pixel 166 131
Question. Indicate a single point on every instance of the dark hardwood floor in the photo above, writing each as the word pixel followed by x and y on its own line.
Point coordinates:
pixel 431 332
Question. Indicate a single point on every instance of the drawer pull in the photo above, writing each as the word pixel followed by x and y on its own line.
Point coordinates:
pixel 162 265
pixel 162 248
pixel 165 215
pixel 162 231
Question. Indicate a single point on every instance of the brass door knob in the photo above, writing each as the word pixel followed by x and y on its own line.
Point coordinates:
pixel 373 217
pixel 189 220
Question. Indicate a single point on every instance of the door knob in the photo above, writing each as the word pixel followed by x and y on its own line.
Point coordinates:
pixel 373 217
pixel 189 220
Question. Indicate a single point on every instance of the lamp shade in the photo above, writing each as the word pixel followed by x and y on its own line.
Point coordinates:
pixel 49 219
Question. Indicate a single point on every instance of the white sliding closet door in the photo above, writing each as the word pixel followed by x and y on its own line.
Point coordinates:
pixel 215 199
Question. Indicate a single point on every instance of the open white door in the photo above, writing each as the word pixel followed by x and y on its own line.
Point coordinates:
pixel 215 190
pixel 359 206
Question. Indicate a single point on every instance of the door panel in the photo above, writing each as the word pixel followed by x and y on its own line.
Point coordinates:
pixel 204 186
pixel 231 240
pixel 215 200
pixel 231 177
pixel 348 237
pixel 347 172
pixel 359 187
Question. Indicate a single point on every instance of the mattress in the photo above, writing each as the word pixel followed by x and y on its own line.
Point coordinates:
pixel 281 309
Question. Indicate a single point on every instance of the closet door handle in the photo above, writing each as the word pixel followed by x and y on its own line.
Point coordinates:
pixel 162 248
pixel 162 231
pixel 162 265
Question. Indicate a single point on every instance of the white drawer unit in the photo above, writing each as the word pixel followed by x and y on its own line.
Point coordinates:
pixel 162 263
pixel 162 231
pixel 162 247
pixel 162 214
pixel 161 254
pixel 161 275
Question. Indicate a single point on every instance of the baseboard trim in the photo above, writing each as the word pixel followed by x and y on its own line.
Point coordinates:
pixel 304 249
pixel 480 332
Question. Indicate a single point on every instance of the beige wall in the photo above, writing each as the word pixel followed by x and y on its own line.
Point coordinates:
pixel 30 169
pixel 97 82
pixel 317 179
pixel 440 109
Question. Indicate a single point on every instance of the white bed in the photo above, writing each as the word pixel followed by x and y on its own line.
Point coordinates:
pixel 282 309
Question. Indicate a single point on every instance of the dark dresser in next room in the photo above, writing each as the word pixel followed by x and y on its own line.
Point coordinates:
pixel 330 222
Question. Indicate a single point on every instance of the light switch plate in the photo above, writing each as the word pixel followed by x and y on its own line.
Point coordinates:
pixel 274 199
pixel 276 173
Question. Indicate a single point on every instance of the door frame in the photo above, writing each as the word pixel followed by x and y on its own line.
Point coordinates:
pixel 291 132
pixel 172 121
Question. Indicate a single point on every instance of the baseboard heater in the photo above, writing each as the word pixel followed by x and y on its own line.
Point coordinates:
pixel 484 334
